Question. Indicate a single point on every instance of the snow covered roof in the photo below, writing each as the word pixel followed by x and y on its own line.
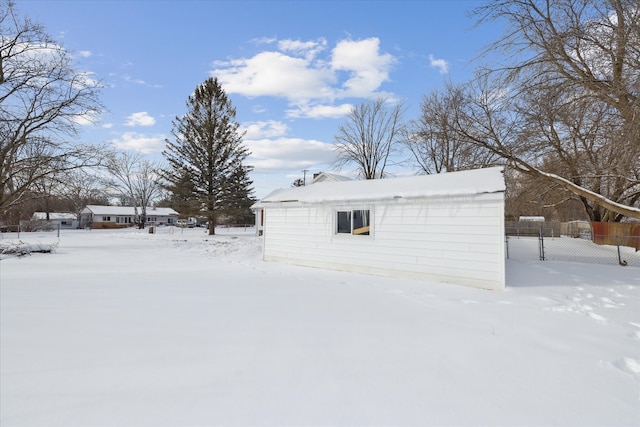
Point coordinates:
pixel 327 176
pixel 127 210
pixel 54 216
pixel 531 218
pixel 488 180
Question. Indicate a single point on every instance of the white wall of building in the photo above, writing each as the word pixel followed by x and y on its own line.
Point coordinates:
pixel 451 239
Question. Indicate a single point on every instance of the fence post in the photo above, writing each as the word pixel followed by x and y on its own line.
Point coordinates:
pixel 541 244
pixel 506 245
pixel 620 260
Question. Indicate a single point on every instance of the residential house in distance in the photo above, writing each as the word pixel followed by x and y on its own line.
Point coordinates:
pixel 329 177
pixel 447 227
pixel 55 220
pixel 99 216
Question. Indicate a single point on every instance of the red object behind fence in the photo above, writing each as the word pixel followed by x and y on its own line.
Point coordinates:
pixel 612 233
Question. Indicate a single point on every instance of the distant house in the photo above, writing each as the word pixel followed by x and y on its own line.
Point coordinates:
pixel 446 227
pixel 99 216
pixel 329 177
pixel 531 218
pixel 55 220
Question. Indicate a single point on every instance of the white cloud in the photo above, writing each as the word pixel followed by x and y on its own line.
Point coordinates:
pixel 309 49
pixel 87 119
pixel 305 73
pixel 319 111
pixel 264 40
pixel 257 108
pixel 440 64
pixel 288 154
pixel 368 68
pixel 268 129
pixel 85 80
pixel 274 74
pixel 141 82
pixel 264 165
pixel 140 119
pixel 139 142
pixel 130 79
pixel 85 54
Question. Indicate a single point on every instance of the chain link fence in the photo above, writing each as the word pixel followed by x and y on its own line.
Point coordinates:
pixel 18 231
pixel 551 245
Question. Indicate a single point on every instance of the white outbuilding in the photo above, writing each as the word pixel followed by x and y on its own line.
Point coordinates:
pixel 56 220
pixel 446 227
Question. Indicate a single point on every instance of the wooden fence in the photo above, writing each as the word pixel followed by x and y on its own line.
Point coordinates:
pixel 617 233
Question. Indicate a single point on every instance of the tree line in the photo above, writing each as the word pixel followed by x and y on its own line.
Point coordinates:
pixel 559 111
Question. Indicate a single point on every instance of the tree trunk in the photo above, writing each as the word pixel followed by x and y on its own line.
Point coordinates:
pixel 212 225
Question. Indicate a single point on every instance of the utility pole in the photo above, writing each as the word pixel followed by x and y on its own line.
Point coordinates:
pixel 304 180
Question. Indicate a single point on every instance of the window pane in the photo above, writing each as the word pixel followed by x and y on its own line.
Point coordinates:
pixel 361 222
pixel 344 222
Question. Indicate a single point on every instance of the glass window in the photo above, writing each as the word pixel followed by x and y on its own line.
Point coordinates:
pixel 361 222
pixel 344 222
pixel 354 222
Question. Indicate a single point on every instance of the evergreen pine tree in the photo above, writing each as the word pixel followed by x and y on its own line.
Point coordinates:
pixel 207 151
pixel 236 199
pixel 181 196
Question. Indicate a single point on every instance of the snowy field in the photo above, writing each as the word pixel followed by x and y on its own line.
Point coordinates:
pixel 127 328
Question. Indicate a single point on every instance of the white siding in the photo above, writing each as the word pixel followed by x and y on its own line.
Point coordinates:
pixel 449 239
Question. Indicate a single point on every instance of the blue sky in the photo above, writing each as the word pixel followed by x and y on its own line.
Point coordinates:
pixel 292 69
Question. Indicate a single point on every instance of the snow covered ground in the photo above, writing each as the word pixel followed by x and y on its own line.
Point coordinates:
pixel 127 328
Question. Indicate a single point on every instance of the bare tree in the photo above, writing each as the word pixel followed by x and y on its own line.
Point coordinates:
pixel 585 46
pixel 369 137
pixel 580 139
pixel 42 98
pixel 137 180
pixel 570 145
pixel 81 188
pixel 433 140
pixel 565 106
pixel 70 190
